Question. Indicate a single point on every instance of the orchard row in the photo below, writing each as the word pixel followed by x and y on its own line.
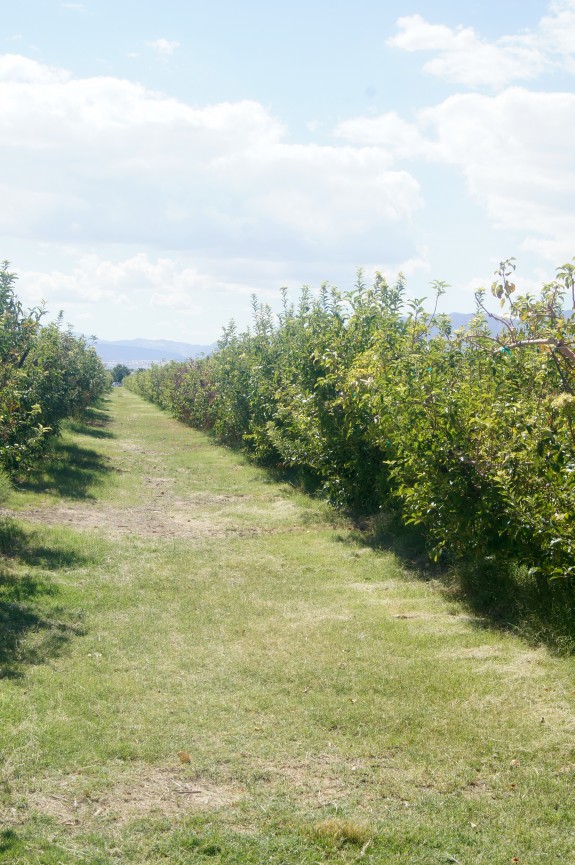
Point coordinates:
pixel 46 375
pixel 380 405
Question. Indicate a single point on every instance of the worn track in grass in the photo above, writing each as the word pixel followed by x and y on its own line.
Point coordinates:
pixel 229 673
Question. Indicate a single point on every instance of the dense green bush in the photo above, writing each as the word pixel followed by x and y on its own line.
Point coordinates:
pixel 46 375
pixel 467 434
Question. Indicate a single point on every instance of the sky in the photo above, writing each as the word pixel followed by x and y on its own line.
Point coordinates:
pixel 162 162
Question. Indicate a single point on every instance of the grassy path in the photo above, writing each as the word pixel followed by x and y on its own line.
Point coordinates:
pixel 199 665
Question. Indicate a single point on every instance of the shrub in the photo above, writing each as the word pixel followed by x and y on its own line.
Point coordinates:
pixel 468 434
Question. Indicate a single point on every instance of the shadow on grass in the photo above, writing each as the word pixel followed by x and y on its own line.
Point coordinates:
pixel 510 598
pixel 67 470
pixel 9 843
pixel 499 593
pixel 387 532
pixel 94 423
pixel 31 630
pixel 300 479
pixel 24 849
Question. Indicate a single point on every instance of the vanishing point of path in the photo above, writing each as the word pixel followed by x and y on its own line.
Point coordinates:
pixel 200 664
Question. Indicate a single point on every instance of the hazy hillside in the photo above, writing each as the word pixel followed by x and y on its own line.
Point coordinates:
pixel 144 352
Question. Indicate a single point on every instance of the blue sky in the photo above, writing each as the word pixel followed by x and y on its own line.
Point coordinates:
pixel 159 162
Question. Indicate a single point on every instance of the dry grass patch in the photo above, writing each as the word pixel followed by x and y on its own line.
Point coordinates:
pixel 325 781
pixel 337 832
pixel 169 521
pixel 146 791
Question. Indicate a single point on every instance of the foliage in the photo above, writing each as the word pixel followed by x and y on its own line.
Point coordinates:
pixel 120 371
pixel 379 404
pixel 46 375
pixel 20 430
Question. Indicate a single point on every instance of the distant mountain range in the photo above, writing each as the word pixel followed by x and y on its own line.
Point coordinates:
pixel 137 353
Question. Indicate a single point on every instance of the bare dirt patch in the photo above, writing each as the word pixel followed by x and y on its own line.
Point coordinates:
pixel 476 790
pixel 167 522
pixel 132 447
pixel 196 515
pixel 202 498
pixel 148 792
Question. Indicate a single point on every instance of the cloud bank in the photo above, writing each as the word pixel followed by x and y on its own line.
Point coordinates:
pixel 107 158
pixel 158 204
pixel 462 57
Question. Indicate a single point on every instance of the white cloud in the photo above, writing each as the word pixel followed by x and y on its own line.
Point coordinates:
pixel 516 150
pixel 107 159
pixel 185 299
pixel 19 71
pixel 519 137
pixel 522 56
pixel 556 251
pixel 137 280
pixel 177 300
pixel 558 31
pixel 464 58
pixel 517 153
pixel 416 34
pixel 356 184
pixel 389 131
pixel 495 65
pixel 163 47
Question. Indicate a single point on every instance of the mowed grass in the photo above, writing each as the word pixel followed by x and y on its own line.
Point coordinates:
pixel 201 665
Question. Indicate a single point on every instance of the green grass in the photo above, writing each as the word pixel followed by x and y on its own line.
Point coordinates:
pixel 160 597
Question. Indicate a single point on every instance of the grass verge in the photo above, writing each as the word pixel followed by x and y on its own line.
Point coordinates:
pixel 201 665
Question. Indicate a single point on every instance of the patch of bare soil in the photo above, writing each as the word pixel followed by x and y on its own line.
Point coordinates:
pixel 149 792
pixel 203 498
pixel 476 790
pixel 165 515
pixel 168 522
pixel 326 779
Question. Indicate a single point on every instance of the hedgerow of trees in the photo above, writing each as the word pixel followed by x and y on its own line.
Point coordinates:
pixel 378 404
pixel 119 372
pixel 46 375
